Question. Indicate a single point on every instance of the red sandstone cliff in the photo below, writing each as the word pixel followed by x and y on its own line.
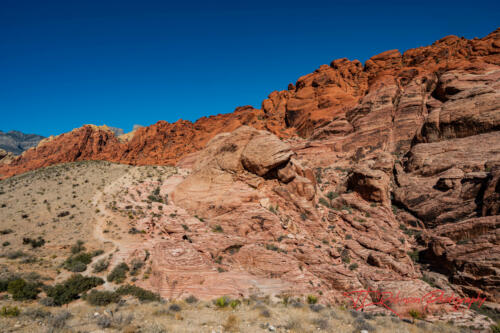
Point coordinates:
pixel 333 100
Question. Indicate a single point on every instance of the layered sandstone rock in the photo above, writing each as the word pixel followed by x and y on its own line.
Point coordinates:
pixel 394 172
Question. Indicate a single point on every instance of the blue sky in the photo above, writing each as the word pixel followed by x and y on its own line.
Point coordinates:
pixel 68 63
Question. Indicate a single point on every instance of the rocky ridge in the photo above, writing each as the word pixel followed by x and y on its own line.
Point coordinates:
pixel 383 177
pixel 16 142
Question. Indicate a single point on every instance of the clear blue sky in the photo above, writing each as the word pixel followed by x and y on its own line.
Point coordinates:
pixel 68 63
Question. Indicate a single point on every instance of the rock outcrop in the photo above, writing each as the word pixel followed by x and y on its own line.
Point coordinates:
pixel 424 94
pixel 356 177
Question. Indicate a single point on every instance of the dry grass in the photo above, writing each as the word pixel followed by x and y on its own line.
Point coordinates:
pixel 200 317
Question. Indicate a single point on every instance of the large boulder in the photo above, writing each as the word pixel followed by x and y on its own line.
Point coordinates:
pixel 264 153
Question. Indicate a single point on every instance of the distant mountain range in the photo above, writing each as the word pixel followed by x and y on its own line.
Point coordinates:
pixel 16 142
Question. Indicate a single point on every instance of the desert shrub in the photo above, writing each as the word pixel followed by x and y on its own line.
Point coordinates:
pixel 78 247
pixel 324 202
pixel 316 307
pixel 9 311
pixel 38 242
pixel 22 290
pixel 232 324
pixel 4 283
pixel 174 308
pixel 361 324
pixel 97 253
pixel 6 231
pixel 345 256
pixel 100 298
pixel 78 262
pixel 265 313
pixel 222 302
pixel 5 243
pixel 311 299
pixel 136 264
pixel 103 322
pixel 59 319
pixel 141 294
pixel 16 254
pixel 271 247
pixel 217 228
pixel 191 299
pixel 155 196
pixel 71 289
pixel 294 325
pixel 495 328
pixel 415 314
pixel 234 303
pixel 36 313
pixel 353 267
pixel 332 195
pixel 100 266
pixel 47 301
pixel 320 323
pixel 119 273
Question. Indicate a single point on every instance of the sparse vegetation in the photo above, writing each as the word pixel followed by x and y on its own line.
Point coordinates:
pixel 71 289
pixel 414 255
pixel 38 242
pixel 217 228
pixel 222 302
pixel 119 273
pixel 100 298
pixel 311 299
pixel 78 262
pixel 9 311
pixel 100 266
pixel 141 294
pixel 22 290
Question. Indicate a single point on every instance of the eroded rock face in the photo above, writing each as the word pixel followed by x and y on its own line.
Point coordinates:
pixel 468 252
pixel 382 105
pixel 5 157
pixel 394 174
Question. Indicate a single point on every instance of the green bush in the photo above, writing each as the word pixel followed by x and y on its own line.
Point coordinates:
pixel 324 202
pixel 100 266
pixel 78 262
pixel 222 302
pixel 39 242
pixel 311 299
pixel 119 273
pixel 78 247
pixel 9 311
pixel 234 303
pixel 71 289
pixel 22 290
pixel 332 195
pixel 141 294
pixel 191 299
pixel 100 298
pixel 415 314
pixel 137 264
pixel 217 228
pixel 353 267
pixel 16 254
pixel 4 283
